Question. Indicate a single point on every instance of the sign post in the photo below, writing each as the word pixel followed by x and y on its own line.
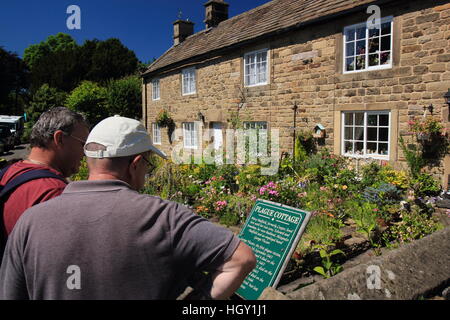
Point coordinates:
pixel 272 230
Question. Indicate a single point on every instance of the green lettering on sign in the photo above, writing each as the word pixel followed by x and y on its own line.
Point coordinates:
pixel 272 230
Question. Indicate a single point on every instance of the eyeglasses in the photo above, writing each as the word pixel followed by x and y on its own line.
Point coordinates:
pixel 83 142
pixel 150 165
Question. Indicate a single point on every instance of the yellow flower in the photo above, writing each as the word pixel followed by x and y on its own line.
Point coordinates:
pixel 344 187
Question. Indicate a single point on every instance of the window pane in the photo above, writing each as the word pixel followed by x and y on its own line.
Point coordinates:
pixel 350 34
pixel 348 147
pixel 348 118
pixel 386 43
pixel 384 119
pixel 359 148
pixel 374 60
pixel 385 58
pixel 350 64
pixel 375 32
pixel 371 147
pixel 361 47
pixel 359 133
pixel 350 49
pixel 374 45
pixel 386 28
pixel 361 33
pixel 359 119
pixel 383 148
pixel 348 133
pixel 372 134
pixel 384 134
pixel 372 120
pixel 360 62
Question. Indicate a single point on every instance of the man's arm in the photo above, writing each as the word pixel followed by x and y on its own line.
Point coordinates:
pixel 12 277
pixel 229 277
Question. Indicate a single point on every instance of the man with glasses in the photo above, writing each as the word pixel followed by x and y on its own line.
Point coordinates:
pixel 56 142
pixel 101 239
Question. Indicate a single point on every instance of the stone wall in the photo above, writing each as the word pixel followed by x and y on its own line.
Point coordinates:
pixel 401 274
pixel 306 69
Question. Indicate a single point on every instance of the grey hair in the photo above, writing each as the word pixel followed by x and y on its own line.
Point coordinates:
pixel 58 118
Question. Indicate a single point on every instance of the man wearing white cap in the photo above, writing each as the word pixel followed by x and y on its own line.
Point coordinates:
pixel 101 239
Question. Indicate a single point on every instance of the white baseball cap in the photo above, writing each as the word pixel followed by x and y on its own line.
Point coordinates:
pixel 122 137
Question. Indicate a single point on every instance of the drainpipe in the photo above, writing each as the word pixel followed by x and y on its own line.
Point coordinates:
pixel 295 107
pixel 145 103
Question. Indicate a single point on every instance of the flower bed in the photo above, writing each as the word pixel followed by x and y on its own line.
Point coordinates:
pixel 375 207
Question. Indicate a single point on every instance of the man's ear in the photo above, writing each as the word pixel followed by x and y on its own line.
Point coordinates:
pixel 134 163
pixel 58 137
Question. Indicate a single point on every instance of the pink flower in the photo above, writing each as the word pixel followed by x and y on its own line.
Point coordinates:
pixel 262 190
pixel 273 192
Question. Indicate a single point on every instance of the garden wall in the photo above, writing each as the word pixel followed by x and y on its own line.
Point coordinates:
pixel 406 273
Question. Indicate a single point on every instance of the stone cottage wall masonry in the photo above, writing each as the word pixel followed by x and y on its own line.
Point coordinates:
pixel 306 68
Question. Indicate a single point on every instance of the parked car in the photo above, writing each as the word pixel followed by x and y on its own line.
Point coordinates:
pixel 15 124
pixel 7 138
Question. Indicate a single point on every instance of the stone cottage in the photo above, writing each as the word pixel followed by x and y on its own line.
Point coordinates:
pixel 319 65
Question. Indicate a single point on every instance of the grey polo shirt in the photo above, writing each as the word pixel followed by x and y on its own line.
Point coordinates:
pixel 102 240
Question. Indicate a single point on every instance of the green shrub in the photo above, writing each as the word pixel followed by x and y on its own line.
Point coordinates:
pixel 413 225
pixel 370 174
pixel 321 230
pixel 425 185
pixel 83 173
pixel 250 179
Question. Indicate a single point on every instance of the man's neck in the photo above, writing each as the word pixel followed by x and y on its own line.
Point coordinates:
pixel 43 157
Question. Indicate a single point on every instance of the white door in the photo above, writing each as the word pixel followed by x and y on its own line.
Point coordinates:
pixel 218 142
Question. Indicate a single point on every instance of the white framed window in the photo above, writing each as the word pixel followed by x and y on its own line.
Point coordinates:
pixel 368 49
pixel 255 125
pixel 156 130
pixel 155 89
pixel 188 81
pixel 261 133
pixel 366 134
pixel 190 135
pixel 256 68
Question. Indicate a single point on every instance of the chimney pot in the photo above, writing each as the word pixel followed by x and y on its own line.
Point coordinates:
pixel 181 30
pixel 216 11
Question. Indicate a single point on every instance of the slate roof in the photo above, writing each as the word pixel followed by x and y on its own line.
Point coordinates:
pixel 273 17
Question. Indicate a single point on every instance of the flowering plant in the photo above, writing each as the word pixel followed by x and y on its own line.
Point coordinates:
pixel 426 126
pixel 269 189
pixel 220 205
pixel 164 119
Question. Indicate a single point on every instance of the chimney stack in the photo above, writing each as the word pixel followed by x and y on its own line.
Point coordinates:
pixel 181 30
pixel 216 11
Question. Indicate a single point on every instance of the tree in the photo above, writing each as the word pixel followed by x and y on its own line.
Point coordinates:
pixel 124 97
pixel 14 81
pixel 44 99
pixel 110 60
pixel 63 64
pixel 54 43
pixel 89 98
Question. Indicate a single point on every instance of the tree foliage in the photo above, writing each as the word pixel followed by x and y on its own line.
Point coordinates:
pixel 44 99
pixel 60 62
pixel 124 97
pixel 89 98
pixel 14 79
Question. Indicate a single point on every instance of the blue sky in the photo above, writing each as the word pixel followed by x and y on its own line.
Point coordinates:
pixel 144 26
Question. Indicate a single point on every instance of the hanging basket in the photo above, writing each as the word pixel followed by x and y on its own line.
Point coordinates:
pixel 423 137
